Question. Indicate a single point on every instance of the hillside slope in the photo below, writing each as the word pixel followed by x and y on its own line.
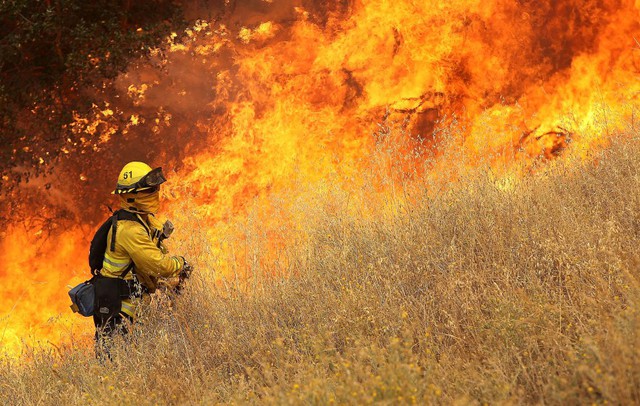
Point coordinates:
pixel 483 292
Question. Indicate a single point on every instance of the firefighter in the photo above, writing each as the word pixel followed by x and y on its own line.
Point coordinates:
pixel 134 257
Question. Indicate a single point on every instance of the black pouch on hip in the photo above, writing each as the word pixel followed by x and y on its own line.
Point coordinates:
pixel 108 298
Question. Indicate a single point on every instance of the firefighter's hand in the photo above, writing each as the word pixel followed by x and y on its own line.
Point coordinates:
pixel 186 271
pixel 183 275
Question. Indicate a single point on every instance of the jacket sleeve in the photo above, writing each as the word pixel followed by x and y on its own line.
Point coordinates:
pixel 148 258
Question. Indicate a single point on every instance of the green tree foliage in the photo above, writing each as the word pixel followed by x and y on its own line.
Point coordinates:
pixel 52 53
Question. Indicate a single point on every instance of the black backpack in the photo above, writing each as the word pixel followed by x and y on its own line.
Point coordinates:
pixel 99 241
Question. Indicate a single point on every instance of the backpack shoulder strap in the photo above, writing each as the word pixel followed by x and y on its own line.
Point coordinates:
pixel 126 215
pixel 114 229
pixel 127 269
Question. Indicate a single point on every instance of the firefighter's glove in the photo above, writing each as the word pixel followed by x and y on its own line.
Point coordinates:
pixel 183 275
pixel 186 271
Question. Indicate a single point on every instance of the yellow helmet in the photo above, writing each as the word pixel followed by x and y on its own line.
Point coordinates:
pixel 138 176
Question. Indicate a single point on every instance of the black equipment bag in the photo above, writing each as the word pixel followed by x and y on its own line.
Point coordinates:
pixel 99 246
pixel 109 293
pixel 108 300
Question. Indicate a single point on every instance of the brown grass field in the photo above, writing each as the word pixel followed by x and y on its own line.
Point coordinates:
pixel 481 292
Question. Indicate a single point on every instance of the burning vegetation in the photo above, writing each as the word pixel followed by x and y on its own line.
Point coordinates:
pixel 356 109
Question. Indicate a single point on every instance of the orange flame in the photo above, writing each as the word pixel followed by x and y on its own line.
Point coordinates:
pixel 293 97
pixel 35 271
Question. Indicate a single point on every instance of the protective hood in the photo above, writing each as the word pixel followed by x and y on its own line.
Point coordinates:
pixel 148 203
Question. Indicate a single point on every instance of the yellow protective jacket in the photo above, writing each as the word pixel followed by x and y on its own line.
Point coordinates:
pixel 138 243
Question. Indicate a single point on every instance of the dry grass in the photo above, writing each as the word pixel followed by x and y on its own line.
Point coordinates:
pixel 476 294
